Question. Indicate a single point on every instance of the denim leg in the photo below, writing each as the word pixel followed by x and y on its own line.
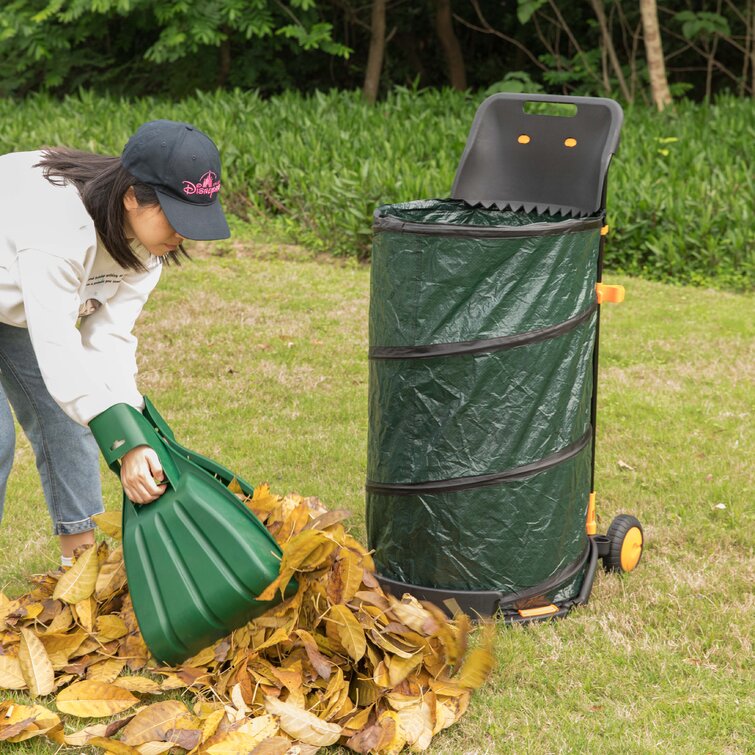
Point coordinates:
pixel 7 446
pixel 66 453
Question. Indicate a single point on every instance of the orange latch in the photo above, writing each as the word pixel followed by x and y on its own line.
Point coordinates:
pixel 604 230
pixel 592 522
pixel 612 294
pixel 529 613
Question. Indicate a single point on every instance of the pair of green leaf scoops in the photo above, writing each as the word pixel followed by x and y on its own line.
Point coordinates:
pixel 197 557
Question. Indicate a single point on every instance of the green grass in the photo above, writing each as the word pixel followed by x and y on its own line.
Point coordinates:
pixel 257 356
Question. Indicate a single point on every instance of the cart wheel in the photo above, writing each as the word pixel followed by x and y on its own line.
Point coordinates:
pixel 626 539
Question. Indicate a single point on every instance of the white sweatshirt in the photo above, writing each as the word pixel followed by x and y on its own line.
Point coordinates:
pixel 55 270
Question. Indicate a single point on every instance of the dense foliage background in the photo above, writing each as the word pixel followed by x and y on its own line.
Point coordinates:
pixel 679 197
pixel 276 83
pixel 172 48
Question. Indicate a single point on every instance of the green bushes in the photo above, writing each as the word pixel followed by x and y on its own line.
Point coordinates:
pixel 680 189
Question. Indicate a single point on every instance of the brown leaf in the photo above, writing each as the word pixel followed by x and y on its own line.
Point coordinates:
pixel 186 738
pixel 319 662
pixel 7 732
pixel 345 577
pixel 35 664
pixel 152 722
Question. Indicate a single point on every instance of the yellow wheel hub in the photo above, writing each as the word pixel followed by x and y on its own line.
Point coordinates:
pixel 631 549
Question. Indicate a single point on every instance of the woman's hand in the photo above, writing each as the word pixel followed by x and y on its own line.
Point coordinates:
pixel 140 474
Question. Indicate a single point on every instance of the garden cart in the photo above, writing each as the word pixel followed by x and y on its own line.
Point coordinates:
pixel 483 357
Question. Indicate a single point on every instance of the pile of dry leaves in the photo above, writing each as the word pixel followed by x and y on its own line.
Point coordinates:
pixel 339 662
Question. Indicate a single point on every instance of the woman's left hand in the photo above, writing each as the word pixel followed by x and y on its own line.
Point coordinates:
pixel 141 473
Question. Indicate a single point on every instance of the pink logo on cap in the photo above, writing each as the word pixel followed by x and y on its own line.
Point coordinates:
pixel 208 184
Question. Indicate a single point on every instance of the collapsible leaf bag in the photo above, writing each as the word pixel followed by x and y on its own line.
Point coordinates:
pixel 484 318
pixel 197 557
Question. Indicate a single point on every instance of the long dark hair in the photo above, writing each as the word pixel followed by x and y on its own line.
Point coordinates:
pixel 102 182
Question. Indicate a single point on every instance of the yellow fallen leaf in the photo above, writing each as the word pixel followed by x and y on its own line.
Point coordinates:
pixel 44 722
pixel 110 523
pixel 155 748
pixel 142 684
pixel 112 576
pixel 211 723
pixel 60 623
pixel 113 746
pixel 82 737
pixel 347 630
pixel 110 627
pixel 90 699
pixel 479 662
pixel 302 725
pixel 85 611
pixel 35 664
pixel 276 746
pixel 234 743
pixel 417 722
pixel 106 671
pixel 78 582
pixel 345 577
pixel 11 676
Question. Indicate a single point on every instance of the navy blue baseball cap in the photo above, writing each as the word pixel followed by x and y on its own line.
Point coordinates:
pixel 182 165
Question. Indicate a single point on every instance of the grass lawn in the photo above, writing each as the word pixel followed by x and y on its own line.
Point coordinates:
pixel 257 357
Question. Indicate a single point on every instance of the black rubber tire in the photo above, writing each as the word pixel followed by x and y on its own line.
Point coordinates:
pixel 616 534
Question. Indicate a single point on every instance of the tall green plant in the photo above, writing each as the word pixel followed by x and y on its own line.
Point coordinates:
pixel 679 191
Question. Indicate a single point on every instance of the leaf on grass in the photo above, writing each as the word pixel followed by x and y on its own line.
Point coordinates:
pixel 114 746
pixel 110 523
pixel 155 748
pixel 343 626
pixel 44 722
pixel 78 582
pixel 141 684
pixel 273 746
pixel 152 722
pixel 301 724
pixel 7 732
pixel 11 676
pixel 35 664
pixel 91 699
pixel 80 738
pixel 106 671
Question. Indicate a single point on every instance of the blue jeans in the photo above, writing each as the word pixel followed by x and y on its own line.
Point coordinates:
pixel 66 453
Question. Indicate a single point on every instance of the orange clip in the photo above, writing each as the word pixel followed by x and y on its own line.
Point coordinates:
pixel 604 230
pixel 612 294
pixel 528 613
pixel 592 522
